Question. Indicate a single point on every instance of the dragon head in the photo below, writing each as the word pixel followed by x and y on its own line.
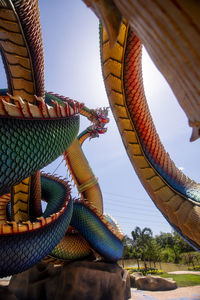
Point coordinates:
pixel 102 116
pixel 99 116
pixel 95 130
pixel 99 119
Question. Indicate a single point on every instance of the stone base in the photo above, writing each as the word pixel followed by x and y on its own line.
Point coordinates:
pixel 152 283
pixel 84 280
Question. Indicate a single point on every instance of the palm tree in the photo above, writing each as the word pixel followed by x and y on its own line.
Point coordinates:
pixel 140 242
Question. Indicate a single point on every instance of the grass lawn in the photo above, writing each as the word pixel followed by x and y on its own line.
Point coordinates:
pixel 183 279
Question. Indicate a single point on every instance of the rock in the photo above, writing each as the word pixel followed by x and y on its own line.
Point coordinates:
pixel 6 294
pixel 154 283
pixel 133 276
pixel 83 280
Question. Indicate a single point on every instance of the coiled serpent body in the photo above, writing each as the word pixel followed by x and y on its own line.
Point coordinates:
pixel 173 193
pixel 36 128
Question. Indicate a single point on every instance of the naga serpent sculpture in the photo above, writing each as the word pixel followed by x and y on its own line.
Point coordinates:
pixel 169 30
pixel 26 234
pixel 175 195
pixel 36 128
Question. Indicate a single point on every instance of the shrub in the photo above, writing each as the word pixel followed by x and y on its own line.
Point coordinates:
pixel 152 271
pixel 194 268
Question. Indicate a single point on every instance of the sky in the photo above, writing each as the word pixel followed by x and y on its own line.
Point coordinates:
pixel 72 68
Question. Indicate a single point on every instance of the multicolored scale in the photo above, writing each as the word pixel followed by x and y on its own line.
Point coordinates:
pixel 36 128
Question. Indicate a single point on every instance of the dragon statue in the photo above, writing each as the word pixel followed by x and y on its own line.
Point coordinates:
pixel 167 29
pixel 37 127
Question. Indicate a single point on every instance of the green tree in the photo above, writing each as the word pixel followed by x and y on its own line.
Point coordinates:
pixel 182 244
pixel 140 243
pixel 153 251
pixel 165 240
pixel 167 255
pixel 128 248
pixel 173 245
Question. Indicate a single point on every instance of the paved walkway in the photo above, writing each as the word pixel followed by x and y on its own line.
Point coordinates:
pixel 185 272
pixel 184 293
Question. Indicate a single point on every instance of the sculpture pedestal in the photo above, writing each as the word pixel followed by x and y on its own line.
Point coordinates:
pixel 84 280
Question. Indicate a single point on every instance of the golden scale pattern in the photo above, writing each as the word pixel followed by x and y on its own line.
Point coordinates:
pixel 22 52
pixel 14 227
pixel 169 30
pixel 19 197
pixel 4 199
pixel 23 58
pixel 15 55
pixel 179 210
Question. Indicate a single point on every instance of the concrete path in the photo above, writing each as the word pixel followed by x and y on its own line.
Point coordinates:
pixel 185 272
pixel 184 293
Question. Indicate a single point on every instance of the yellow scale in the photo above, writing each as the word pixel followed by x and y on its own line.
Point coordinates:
pixel 179 210
pixel 20 200
pixel 17 59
